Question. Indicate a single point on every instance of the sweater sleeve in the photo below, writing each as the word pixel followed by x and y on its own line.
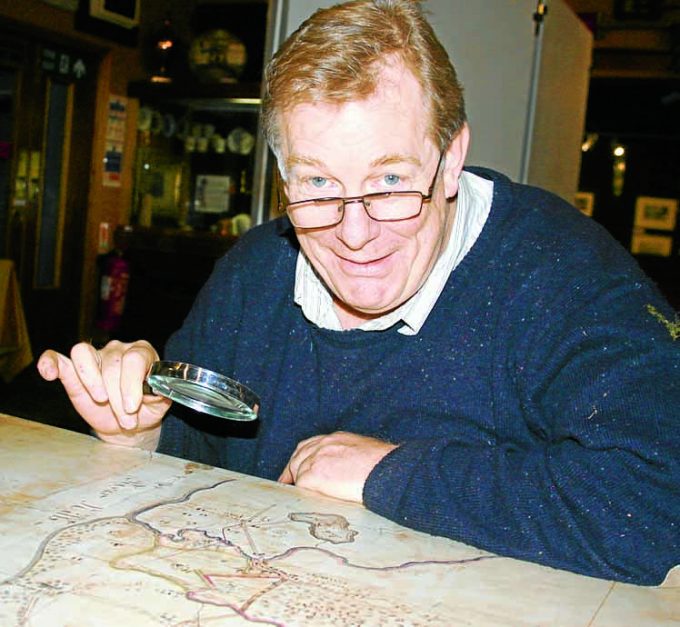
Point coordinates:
pixel 596 489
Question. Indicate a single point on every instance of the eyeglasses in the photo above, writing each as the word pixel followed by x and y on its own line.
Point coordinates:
pixel 380 206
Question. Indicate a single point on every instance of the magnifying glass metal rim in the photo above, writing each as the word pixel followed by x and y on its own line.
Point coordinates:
pixel 173 380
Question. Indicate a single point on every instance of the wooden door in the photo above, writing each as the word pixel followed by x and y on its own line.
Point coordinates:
pixel 47 113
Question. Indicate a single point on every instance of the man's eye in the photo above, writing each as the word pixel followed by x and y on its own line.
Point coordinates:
pixel 391 179
pixel 318 181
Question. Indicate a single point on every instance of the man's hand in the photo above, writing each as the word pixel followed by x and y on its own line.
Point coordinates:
pixel 106 388
pixel 336 465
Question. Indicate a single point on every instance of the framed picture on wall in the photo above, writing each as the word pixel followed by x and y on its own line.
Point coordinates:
pixel 585 203
pixel 116 20
pixel 656 213
pixel 124 13
pixel 644 243
pixel 212 193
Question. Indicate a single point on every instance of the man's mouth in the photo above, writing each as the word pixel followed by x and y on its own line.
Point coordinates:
pixel 365 267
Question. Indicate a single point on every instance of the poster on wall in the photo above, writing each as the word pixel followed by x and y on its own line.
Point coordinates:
pixel 115 141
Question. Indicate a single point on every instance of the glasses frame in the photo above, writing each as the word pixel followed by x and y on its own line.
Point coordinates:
pixel 362 199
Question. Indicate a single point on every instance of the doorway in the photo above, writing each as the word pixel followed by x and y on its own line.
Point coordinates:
pixel 47 109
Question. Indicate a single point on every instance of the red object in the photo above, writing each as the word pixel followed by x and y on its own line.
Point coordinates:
pixel 113 290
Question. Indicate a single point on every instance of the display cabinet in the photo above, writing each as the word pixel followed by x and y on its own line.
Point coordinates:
pixel 195 158
pixel 192 196
pixel 200 178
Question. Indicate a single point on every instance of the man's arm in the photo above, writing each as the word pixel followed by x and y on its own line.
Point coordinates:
pixel 595 490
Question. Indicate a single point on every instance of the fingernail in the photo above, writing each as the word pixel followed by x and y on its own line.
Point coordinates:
pixel 128 421
pixel 46 371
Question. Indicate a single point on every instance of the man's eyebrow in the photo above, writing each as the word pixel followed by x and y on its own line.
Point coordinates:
pixel 294 160
pixel 395 158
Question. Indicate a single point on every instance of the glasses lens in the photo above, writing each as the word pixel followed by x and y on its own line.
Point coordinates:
pixel 323 212
pixel 316 213
pixel 394 206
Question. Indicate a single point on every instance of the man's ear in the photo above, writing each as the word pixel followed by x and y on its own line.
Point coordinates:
pixel 455 160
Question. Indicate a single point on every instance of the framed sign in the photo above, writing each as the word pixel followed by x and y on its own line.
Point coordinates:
pixel 117 20
pixel 124 13
pixel 213 193
pixel 644 243
pixel 585 203
pixel 656 213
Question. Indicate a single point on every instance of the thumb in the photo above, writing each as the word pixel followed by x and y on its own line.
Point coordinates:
pixel 286 475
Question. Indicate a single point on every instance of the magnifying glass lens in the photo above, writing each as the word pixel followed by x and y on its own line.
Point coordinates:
pixel 204 390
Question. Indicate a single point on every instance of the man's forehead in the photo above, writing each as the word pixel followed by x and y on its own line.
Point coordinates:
pixel 311 121
pixel 392 79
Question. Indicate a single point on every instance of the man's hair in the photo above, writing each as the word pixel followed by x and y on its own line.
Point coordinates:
pixel 336 56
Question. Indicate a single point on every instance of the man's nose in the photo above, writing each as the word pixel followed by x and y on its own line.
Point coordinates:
pixel 357 228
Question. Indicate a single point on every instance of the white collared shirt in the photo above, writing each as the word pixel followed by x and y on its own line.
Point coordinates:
pixel 473 206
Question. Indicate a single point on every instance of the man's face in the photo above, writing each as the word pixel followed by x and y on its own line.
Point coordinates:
pixel 374 145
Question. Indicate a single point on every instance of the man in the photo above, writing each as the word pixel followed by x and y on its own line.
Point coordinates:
pixel 463 355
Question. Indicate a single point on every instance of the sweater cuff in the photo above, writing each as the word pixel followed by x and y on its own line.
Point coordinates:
pixel 390 479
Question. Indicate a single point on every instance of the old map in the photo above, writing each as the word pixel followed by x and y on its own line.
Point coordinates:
pixel 92 534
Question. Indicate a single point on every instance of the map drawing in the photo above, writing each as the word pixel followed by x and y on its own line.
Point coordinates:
pixel 102 535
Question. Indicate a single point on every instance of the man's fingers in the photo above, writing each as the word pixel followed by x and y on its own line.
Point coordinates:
pixel 136 362
pixel 87 365
pixel 120 371
pixel 303 451
pixel 48 365
pixel 76 385
pixel 111 375
pixel 53 365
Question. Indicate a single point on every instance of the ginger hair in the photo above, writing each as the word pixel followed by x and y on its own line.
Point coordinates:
pixel 336 56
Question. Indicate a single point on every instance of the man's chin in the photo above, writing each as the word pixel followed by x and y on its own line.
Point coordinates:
pixel 365 309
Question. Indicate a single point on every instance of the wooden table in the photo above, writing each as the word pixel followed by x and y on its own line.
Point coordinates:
pixel 15 345
pixel 93 534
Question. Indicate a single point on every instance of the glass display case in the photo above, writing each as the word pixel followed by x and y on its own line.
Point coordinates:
pixel 195 159
pixel 201 173
pixel 196 163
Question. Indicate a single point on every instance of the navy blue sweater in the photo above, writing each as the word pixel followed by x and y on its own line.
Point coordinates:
pixel 536 410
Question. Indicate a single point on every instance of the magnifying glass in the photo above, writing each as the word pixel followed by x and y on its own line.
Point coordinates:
pixel 203 390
